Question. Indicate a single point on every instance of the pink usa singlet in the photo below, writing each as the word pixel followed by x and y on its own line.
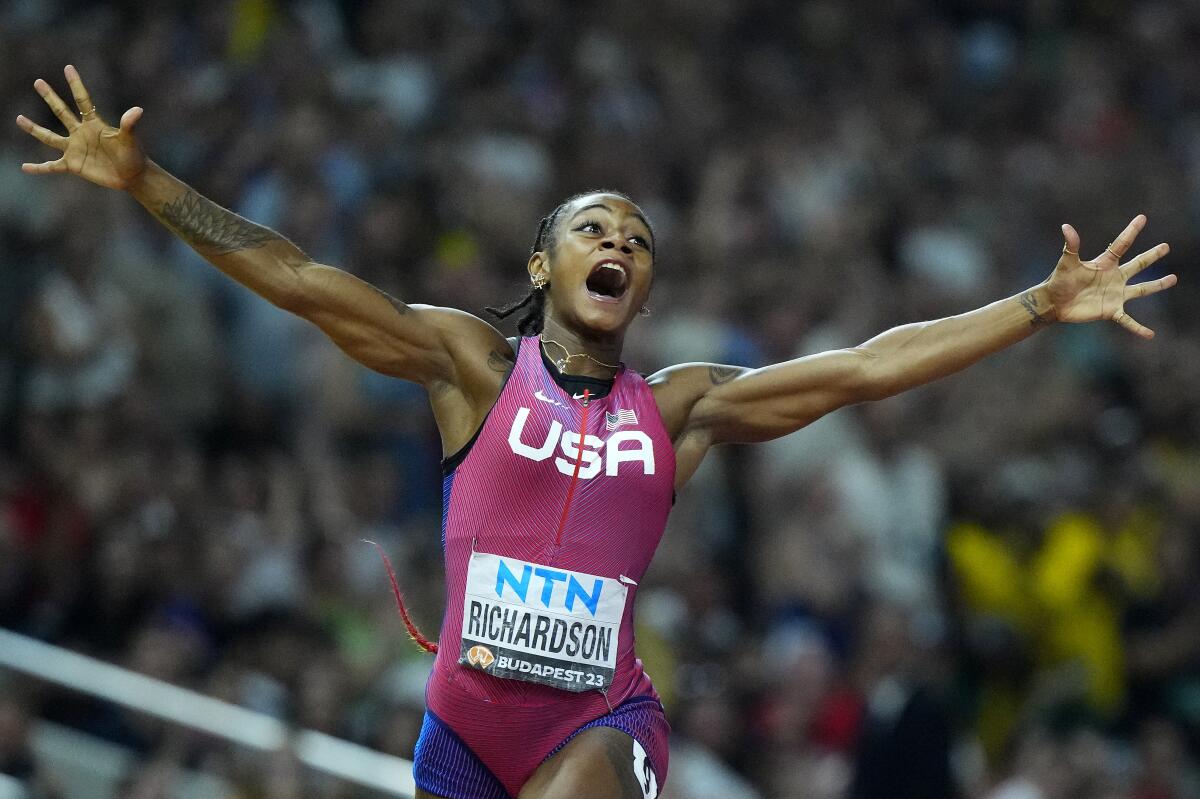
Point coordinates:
pixel 547 530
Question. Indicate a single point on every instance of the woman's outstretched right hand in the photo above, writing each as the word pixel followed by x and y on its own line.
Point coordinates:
pixel 92 148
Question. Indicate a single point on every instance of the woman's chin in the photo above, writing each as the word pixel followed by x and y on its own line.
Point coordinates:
pixel 607 319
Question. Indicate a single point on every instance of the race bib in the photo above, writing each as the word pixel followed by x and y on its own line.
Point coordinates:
pixel 524 621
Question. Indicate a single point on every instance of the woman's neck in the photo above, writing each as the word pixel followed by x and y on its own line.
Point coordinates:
pixel 576 355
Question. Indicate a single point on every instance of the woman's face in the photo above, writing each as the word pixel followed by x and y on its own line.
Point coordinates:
pixel 600 266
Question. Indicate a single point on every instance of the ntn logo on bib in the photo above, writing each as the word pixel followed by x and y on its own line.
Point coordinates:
pixel 583 589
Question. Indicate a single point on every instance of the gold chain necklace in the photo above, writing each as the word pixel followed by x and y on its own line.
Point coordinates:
pixel 561 363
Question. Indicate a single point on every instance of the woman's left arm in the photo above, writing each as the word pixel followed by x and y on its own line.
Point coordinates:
pixel 732 404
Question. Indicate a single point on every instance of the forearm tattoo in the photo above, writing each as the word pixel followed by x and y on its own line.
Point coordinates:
pixel 723 374
pixel 210 228
pixel 1036 319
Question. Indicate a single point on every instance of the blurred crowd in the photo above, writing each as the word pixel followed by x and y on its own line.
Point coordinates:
pixel 983 588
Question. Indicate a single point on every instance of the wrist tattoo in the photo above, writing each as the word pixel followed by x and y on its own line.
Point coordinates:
pixel 723 374
pixel 209 227
pixel 1036 319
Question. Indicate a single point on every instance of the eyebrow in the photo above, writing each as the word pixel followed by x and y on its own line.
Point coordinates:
pixel 606 208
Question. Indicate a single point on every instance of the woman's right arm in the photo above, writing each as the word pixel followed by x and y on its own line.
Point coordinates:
pixel 413 342
pixel 424 344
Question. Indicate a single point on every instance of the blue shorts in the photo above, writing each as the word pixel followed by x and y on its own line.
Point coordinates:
pixel 445 766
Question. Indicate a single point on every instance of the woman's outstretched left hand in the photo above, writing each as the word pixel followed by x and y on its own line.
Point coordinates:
pixel 1084 291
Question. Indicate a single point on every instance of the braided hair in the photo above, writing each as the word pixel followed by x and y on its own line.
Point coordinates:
pixel 533 320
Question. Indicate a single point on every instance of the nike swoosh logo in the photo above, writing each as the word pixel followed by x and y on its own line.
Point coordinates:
pixel 539 395
pixel 577 396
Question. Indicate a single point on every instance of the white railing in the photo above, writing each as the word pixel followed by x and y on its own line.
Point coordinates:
pixel 325 753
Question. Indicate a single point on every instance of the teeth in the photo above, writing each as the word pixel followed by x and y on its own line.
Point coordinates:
pixel 612 286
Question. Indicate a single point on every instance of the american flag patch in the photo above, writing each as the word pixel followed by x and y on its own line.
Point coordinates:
pixel 614 420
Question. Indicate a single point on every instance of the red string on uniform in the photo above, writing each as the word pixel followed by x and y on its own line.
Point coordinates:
pixel 413 632
pixel 562 520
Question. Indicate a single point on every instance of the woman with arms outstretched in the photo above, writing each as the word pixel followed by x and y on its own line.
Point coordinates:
pixel 561 464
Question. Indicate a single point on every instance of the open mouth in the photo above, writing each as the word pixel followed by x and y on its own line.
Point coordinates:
pixel 607 281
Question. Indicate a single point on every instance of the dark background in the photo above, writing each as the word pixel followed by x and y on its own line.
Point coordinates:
pixel 985 587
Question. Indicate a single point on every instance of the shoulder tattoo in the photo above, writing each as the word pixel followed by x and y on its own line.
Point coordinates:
pixel 498 362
